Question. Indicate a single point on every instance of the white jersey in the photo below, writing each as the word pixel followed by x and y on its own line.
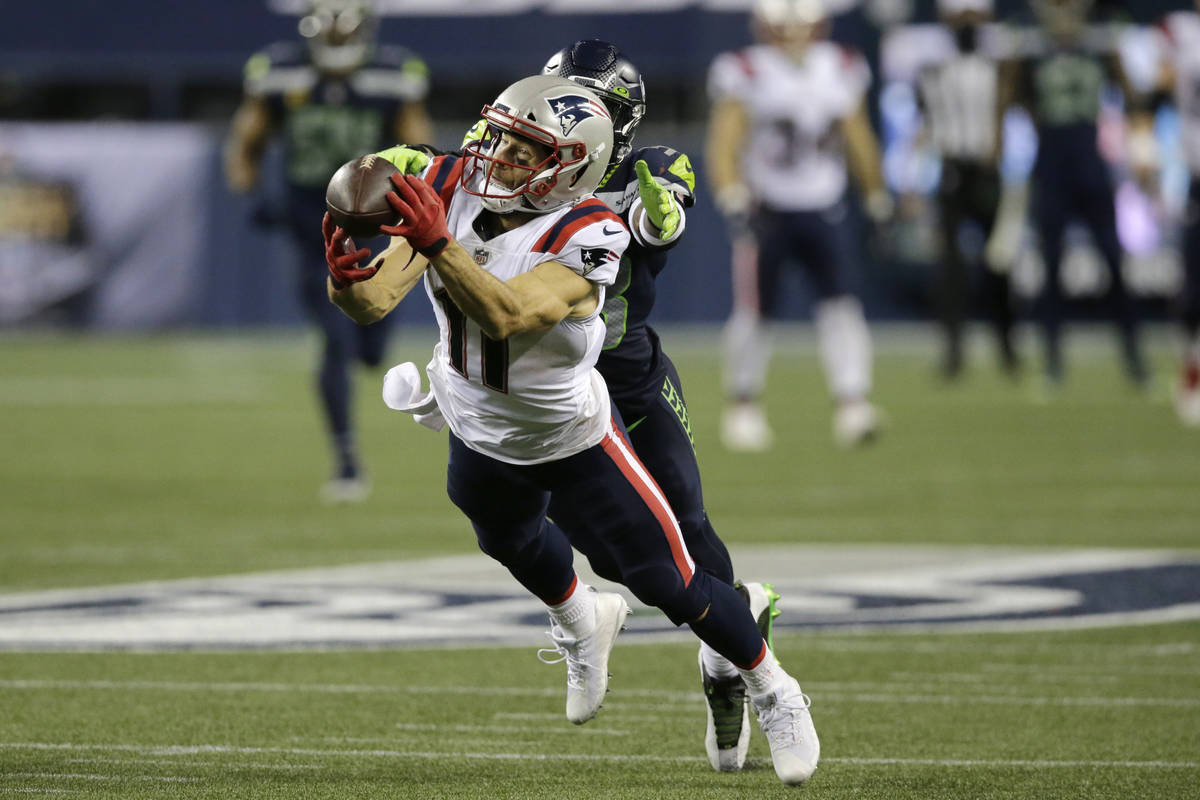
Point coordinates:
pixel 794 159
pixel 533 397
pixel 1182 35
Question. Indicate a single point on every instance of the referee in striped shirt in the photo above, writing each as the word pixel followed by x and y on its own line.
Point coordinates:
pixel 960 100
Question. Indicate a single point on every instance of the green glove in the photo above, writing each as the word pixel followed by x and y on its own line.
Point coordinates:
pixel 659 201
pixel 476 133
pixel 406 159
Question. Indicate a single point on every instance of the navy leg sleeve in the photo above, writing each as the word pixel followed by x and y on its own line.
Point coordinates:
pixel 663 441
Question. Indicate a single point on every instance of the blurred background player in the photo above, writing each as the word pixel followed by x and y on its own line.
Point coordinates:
pixel 960 102
pixel 331 98
pixel 787 115
pixel 1180 78
pixel 1059 79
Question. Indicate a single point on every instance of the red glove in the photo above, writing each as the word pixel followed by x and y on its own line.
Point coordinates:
pixel 422 215
pixel 341 256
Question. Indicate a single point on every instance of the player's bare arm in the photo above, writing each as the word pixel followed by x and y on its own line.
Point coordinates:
pixel 393 274
pixel 862 152
pixel 247 141
pixel 533 301
pixel 412 123
pixel 729 126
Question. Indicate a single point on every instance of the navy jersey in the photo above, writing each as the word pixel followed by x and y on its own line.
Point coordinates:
pixel 632 362
pixel 325 120
pixel 1063 86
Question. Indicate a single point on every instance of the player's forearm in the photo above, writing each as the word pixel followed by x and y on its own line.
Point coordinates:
pixel 492 304
pixel 863 156
pixel 244 150
pixel 727 130
pixel 400 269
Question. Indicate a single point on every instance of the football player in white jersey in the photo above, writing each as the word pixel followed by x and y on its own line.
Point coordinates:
pixel 1179 79
pixel 787 115
pixel 516 256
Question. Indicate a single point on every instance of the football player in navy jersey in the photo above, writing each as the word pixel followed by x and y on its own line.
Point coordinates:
pixel 651 187
pixel 1059 74
pixel 329 98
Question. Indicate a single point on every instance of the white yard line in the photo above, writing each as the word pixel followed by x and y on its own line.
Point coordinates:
pixel 501 756
pixel 178 762
pixel 85 776
pixel 677 701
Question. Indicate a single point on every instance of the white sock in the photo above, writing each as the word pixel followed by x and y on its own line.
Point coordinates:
pixel 764 678
pixel 845 345
pixel 747 354
pixel 715 664
pixel 577 614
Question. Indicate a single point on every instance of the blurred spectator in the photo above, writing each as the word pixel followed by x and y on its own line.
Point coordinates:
pixel 963 123
pixel 787 115
pixel 1059 74
pixel 332 98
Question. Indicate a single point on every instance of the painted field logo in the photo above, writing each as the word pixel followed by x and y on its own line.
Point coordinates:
pixel 471 600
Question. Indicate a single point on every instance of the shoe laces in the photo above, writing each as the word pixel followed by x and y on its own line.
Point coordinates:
pixel 566 648
pixel 781 719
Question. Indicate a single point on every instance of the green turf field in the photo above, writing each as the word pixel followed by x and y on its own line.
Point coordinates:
pixel 138 459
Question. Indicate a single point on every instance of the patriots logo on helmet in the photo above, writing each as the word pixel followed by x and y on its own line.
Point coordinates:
pixel 572 109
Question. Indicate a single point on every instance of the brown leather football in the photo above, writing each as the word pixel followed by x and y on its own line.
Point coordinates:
pixel 357 196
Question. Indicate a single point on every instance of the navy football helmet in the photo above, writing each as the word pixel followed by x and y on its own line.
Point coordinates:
pixel 339 33
pixel 605 70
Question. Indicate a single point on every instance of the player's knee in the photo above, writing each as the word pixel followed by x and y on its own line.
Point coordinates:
pixel 507 546
pixel 663 588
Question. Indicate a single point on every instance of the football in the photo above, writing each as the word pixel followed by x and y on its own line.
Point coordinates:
pixel 357 196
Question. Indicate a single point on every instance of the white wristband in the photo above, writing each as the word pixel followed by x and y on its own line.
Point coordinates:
pixel 642 230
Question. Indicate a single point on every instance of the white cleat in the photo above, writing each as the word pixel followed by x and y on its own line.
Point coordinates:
pixel 785 721
pixel 587 657
pixel 744 429
pixel 856 422
pixel 345 490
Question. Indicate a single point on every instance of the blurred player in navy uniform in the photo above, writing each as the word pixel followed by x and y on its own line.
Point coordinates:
pixel 960 102
pixel 651 187
pixel 331 98
pixel 1179 79
pixel 788 116
pixel 1060 79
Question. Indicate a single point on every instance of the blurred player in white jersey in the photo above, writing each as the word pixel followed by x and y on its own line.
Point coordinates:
pixel 1180 80
pixel 517 258
pixel 787 116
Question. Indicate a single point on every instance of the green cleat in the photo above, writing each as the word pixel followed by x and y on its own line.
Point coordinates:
pixel 762 599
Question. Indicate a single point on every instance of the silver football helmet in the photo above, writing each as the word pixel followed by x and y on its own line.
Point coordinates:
pixel 788 24
pixel 573 133
pixel 339 34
